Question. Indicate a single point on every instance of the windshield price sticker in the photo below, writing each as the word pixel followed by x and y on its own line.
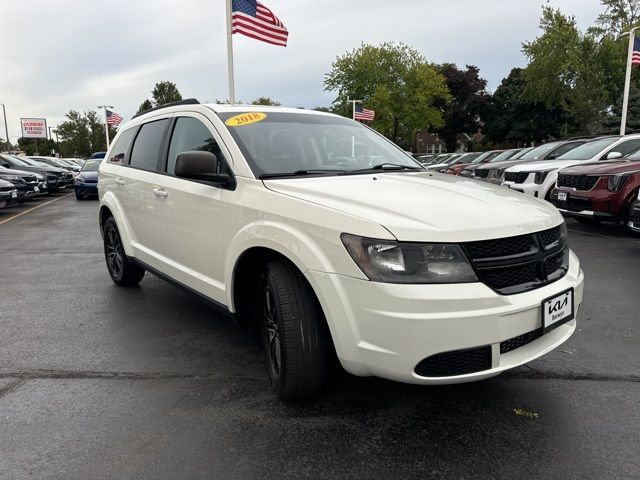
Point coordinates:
pixel 245 119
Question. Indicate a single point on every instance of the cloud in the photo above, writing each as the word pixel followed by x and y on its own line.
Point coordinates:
pixel 76 54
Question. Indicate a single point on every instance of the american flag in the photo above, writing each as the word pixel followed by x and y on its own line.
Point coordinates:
pixel 113 118
pixel 251 18
pixel 635 59
pixel 364 114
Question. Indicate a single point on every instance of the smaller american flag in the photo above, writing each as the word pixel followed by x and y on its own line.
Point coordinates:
pixel 113 118
pixel 251 18
pixel 635 59
pixel 364 114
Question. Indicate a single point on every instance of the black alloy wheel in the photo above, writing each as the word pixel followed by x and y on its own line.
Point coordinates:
pixel 122 271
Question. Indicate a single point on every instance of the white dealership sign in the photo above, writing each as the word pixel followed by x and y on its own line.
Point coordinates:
pixel 34 127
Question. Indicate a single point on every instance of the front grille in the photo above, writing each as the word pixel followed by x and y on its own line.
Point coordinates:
pixel 579 182
pixel 574 204
pixel 7 189
pixel 516 177
pixel 30 179
pixel 635 215
pixel 457 362
pixel 519 264
pixel 520 340
pixel 482 173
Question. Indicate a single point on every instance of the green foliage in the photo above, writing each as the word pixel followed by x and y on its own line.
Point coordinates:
pixel 162 93
pixel 619 16
pixel 470 102
pixel 82 134
pixel 33 146
pixel 515 120
pixel 266 101
pixel 395 81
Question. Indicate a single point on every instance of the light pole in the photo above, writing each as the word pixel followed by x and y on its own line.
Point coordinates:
pixel 106 123
pixel 6 128
pixel 627 79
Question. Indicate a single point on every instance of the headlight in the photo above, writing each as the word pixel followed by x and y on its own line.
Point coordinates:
pixel 540 176
pixel 394 262
pixel 615 182
pixel 80 179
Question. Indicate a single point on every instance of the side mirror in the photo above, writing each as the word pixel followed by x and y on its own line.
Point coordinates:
pixel 614 155
pixel 201 166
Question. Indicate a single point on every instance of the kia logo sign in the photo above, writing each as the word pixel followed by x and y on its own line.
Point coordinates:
pixel 559 305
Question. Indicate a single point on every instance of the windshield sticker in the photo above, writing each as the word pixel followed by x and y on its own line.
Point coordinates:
pixel 245 119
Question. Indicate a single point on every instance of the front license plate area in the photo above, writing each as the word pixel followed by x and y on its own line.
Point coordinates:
pixel 562 196
pixel 557 310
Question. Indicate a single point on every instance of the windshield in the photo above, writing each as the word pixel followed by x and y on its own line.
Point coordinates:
pixel 26 161
pixel 90 166
pixel 19 162
pixel 504 156
pixel 589 149
pixel 301 143
pixel 540 151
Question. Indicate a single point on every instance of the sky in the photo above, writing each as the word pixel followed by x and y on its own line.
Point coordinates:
pixel 60 55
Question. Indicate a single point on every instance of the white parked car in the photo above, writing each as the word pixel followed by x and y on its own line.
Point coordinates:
pixel 335 242
pixel 538 179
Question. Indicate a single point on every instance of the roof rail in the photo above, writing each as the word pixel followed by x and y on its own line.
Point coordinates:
pixel 187 101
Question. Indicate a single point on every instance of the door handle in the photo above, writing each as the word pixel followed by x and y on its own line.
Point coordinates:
pixel 119 181
pixel 158 192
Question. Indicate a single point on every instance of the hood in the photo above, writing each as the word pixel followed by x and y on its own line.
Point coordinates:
pixel 12 171
pixel 503 164
pixel 424 207
pixel 93 176
pixel 603 168
pixel 5 184
pixel 544 165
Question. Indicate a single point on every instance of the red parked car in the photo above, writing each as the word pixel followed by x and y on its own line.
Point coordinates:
pixel 603 191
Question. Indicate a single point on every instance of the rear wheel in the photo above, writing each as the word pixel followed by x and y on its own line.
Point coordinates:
pixel 294 332
pixel 122 271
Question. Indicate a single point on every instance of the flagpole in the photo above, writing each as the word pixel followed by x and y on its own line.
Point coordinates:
pixel 106 125
pixel 627 81
pixel 232 89
pixel 353 117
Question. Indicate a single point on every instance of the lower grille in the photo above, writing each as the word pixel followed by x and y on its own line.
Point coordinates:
pixel 574 204
pixel 516 177
pixel 520 340
pixel 482 173
pixel 457 362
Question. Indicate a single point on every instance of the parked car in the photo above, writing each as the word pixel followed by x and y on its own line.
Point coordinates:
pixel 453 158
pixel 97 155
pixel 405 275
pixel 538 179
pixel 634 217
pixel 481 174
pixel 86 183
pixel 494 171
pixel 464 158
pixel 56 162
pixel 25 182
pixel 603 191
pixel 65 177
pixel 8 194
pixel 467 169
pixel 53 178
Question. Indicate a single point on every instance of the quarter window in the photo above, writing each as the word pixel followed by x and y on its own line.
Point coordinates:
pixel 121 147
pixel 190 134
pixel 146 149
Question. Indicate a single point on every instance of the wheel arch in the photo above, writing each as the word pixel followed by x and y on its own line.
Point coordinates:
pixel 110 207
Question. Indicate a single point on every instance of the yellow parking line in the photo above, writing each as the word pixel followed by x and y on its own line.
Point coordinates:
pixel 604 236
pixel 34 208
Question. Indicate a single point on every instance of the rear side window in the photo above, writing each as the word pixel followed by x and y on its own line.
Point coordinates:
pixel 190 134
pixel 146 149
pixel 121 147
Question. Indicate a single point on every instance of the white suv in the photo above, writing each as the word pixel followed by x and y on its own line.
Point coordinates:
pixel 538 179
pixel 335 242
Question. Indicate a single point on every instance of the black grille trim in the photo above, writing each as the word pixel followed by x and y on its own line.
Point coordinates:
pixel 520 341
pixel 519 264
pixel 516 177
pixel 455 362
pixel 482 173
pixel 579 182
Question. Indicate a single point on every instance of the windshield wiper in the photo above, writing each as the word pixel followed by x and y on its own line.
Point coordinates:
pixel 300 173
pixel 385 167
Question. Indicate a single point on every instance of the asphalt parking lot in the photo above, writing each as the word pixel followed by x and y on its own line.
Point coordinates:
pixel 98 381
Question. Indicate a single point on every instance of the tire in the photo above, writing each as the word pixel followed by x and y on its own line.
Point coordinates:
pixel 79 197
pixel 294 333
pixel 123 272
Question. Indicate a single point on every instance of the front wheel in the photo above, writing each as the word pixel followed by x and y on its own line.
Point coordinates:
pixel 122 271
pixel 294 333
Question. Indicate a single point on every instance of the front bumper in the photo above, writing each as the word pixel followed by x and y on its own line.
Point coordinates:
pixel 529 187
pixel 87 188
pixel 386 330
pixel 634 220
pixel 8 198
pixel 599 204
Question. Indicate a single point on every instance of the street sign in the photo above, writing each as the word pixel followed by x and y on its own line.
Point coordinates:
pixel 34 127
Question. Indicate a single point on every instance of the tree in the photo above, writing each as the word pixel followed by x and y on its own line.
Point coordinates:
pixel 82 134
pixel 144 106
pixel 265 101
pixel 165 92
pixel 469 105
pixel 395 81
pixel 619 16
pixel 567 70
pixel 33 146
pixel 515 120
